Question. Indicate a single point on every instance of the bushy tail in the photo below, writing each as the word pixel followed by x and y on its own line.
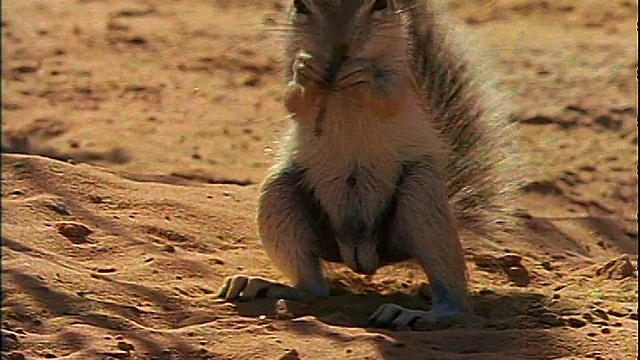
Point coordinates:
pixel 482 163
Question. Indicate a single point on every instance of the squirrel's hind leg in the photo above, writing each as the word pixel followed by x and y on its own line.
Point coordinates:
pixel 423 225
pixel 290 231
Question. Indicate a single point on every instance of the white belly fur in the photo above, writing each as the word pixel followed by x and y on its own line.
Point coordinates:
pixel 355 140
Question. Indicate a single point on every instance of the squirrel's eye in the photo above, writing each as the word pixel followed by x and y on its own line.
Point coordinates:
pixel 300 7
pixel 379 5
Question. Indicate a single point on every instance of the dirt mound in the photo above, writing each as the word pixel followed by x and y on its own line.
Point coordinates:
pixel 134 134
pixel 95 265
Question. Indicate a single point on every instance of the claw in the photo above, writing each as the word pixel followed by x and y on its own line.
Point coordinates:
pixel 236 286
pixel 243 287
pixel 304 70
pixel 256 288
pixel 398 318
pixel 395 316
pixel 232 287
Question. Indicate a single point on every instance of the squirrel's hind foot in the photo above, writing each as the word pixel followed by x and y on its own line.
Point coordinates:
pixel 397 317
pixel 245 287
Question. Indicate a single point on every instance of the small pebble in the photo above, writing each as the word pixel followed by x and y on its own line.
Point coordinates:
pixel 10 341
pixel 546 265
pixel 576 322
pixel 550 319
pixel 282 312
pixel 511 259
pixel 617 312
pixel 600 313
pixel 76 232
pixel 125 346
pixel 290 355
pixel 486 292
pixel 14 356
pixel 59 207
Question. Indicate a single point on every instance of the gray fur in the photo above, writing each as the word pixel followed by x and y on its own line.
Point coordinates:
pixel 393 147
pixel 481 169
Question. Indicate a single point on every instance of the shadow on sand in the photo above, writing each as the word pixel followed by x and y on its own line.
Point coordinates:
pixel 512 325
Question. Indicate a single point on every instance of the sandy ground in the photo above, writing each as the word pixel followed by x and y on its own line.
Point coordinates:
pixel 138 131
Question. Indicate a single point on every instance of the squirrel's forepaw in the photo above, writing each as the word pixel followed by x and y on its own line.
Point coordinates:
pixel 307 71
pixel 302 101
pixel 245 287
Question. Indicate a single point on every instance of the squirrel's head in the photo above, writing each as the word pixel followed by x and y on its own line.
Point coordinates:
pixel 334 31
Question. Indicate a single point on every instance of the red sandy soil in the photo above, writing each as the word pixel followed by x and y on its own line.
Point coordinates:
pixel 138 131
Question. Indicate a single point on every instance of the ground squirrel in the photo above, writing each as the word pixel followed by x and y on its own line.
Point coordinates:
pixel 393 149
